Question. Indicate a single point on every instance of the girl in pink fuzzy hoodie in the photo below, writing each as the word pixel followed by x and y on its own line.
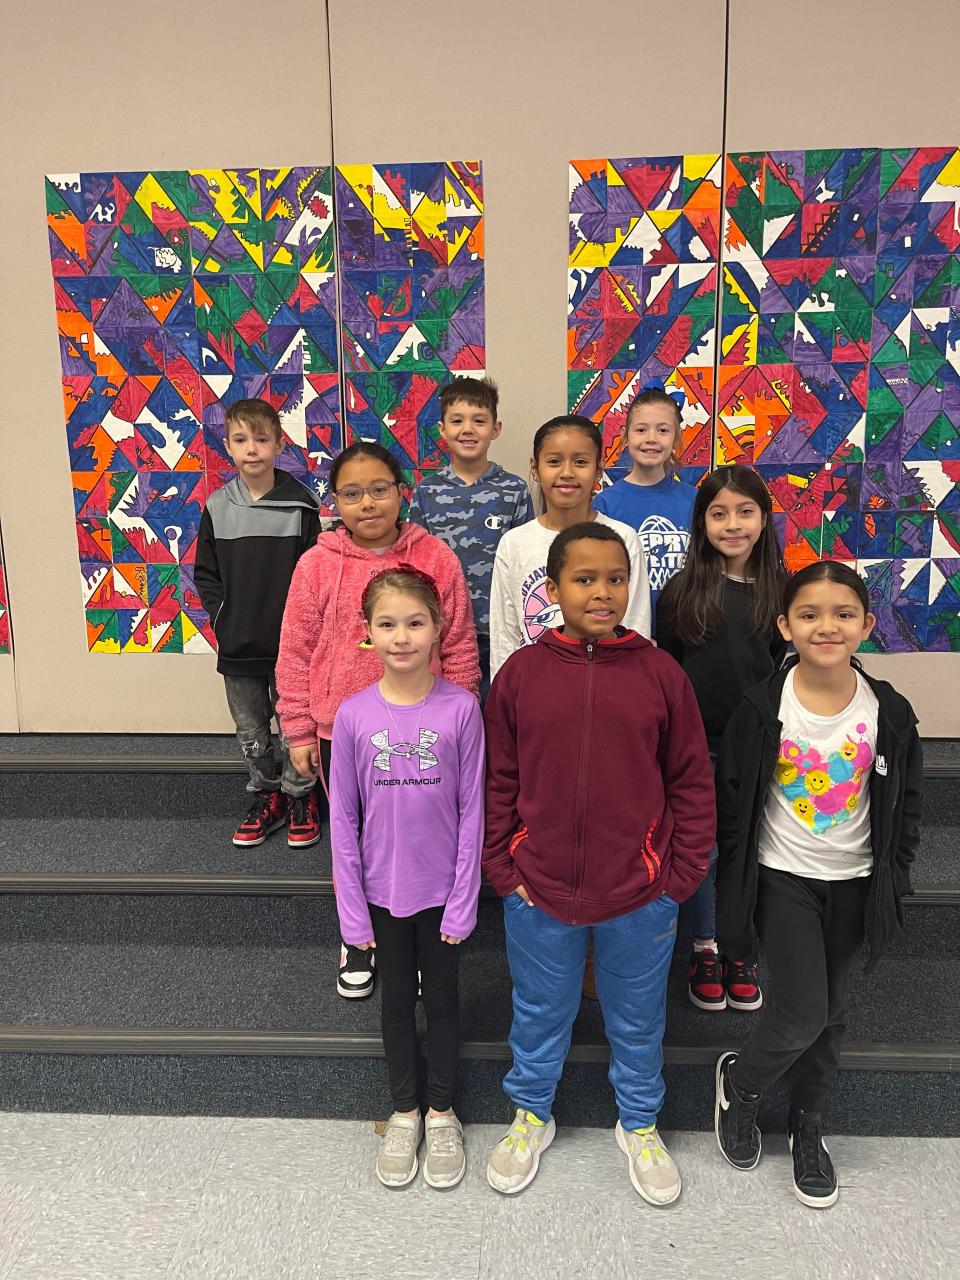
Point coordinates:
pixel 324 654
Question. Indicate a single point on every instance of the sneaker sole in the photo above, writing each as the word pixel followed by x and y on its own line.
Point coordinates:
pixel 814 1202
pixel 743 1168
pixel 296 843
pixel 548 1137
pixel 352 993
pixel 443 1186
pixel 258 840
pixel 744 1006
pixel 657 1204
pixel 711 1006
pixel 406 1182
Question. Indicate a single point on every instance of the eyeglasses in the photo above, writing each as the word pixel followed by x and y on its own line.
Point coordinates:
pixel 353 493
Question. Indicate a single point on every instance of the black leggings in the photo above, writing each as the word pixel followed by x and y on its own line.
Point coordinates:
pixel 810 931
pixel 405 945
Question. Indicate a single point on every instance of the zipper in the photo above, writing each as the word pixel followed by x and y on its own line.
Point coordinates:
pixel 217 618
pixel 582 789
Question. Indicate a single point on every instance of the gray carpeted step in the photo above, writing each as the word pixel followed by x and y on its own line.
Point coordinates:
pixel 264 963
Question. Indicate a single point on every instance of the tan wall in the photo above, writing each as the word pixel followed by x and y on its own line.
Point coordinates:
pixel 524 88
pixel 855 74
pixel 125 87
pixel 9 720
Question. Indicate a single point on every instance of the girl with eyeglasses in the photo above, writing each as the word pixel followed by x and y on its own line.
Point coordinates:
pixel 325 652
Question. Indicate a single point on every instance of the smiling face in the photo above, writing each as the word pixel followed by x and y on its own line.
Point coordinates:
pixel 402 632
pixel 568 469
pixel 733 522
pixel 593 589
pixel 253 448
pixel 826 624
pixel 469 430
pixel 371 522
pixel 651 438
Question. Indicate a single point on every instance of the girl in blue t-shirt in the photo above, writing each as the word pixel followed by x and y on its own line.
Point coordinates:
pixel 652 499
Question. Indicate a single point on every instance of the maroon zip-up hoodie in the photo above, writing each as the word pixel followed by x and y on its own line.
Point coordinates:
pixel 600 792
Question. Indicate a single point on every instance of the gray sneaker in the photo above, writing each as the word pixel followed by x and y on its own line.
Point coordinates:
pixel 652 1170
pixel 397 1158
pixel 515 1159
pixel 445 1163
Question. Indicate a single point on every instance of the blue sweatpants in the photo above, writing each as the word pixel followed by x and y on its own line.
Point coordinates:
pixel 632 959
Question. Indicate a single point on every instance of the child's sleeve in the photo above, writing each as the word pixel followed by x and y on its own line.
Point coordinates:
pixel 459 656
pixel 689 788
pixel 460 916
pixel 206 570
pixel 523 512
pixel 505 634
pixel 417 513
pixel 503 785
pixel 301 626
pixel 637 616
pixel 911 813
pixel 345 821
pixel 309 530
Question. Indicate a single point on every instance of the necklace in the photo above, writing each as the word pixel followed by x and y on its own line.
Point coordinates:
pixel 411 746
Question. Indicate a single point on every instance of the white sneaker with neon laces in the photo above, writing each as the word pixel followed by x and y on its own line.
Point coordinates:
pixel 652 1169
pixel 515 1159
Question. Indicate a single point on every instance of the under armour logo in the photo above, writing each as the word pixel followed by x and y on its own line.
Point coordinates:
pixel 405 750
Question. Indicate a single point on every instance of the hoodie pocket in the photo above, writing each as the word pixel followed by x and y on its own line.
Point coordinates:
pixel 651 858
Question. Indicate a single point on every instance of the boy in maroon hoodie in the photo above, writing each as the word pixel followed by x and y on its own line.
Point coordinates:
pixel 600 818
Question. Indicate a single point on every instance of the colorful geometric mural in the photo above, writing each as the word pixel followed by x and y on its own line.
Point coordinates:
pixel 643 254
pixel 839 371
pixel 178 293
pixel 411 290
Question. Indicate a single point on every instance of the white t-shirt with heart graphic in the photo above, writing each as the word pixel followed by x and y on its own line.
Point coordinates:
pixel 816 820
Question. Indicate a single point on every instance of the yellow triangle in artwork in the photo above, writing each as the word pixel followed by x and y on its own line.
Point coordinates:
pixel 663 218
pixel 697 167
pixel 360 179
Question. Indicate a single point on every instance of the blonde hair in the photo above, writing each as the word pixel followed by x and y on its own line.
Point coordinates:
pixel 410 582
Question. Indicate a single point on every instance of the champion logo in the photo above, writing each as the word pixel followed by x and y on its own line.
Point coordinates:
pixel 405 750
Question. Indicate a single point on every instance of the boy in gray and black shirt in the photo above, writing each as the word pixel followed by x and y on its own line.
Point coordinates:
pixel 471 502
pixel 253 532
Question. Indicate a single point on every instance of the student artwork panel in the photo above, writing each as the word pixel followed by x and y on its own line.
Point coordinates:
pixel 4 610
pixel 178 293
pixel 839 367
pixel 412 299
pixel 642 293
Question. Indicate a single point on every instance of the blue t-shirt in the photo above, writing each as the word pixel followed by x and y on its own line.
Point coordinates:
pixel 661 514
pixel 471 519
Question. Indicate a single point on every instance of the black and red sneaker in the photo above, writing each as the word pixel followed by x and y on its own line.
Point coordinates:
pixel 705 981
pixel 743 989
pixel 266 814
pixel 304 826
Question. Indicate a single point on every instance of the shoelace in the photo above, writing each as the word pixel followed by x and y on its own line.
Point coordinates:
pixel 709 963
pixel 648 1144
pixel 398 1140
pixel 259 809
pixel 518 1138
pixel 443 1139
pixel 745 973
pixel 357 958
pixel 298 811
pixel 809 1135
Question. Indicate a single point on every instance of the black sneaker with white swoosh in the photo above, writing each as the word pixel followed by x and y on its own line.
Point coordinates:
pixel 735 1118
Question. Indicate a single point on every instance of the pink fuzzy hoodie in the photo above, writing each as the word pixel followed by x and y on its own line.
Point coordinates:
pixel 321 661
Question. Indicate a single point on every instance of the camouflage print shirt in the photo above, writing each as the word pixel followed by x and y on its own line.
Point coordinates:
pixel 471 519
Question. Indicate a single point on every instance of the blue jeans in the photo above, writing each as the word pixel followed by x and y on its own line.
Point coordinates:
pixel 632 958
pixel 701 907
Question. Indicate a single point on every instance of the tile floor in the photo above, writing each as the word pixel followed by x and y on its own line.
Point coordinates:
pixel 142 1197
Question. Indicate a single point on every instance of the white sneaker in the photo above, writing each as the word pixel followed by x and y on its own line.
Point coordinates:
pixel 445 1163
pixel 397 1158
pixel 652 1169
pixel 515 1159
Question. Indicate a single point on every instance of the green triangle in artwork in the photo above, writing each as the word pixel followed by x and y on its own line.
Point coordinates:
pixel 893 161
pixel 173 639
pixel 578 380
pixel 892 352
pixel 55 202
pixel 880 423
pixel 940 433
pixel 747 213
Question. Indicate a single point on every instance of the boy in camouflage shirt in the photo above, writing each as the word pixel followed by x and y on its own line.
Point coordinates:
pixel 471 502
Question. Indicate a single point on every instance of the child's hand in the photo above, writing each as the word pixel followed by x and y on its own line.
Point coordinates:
pixel 454 942
pixel 523 894
pixel 305 759
pixel 365 946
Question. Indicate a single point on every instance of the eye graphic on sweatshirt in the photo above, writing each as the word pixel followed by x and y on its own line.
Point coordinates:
pixel 539 612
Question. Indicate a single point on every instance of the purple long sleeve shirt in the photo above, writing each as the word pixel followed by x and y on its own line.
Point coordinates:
pixel 406 808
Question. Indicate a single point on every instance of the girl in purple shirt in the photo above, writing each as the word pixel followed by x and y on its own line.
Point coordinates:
pixel 406 825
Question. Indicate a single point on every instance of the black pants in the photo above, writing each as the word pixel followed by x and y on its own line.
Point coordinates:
pixel 323 802
pixel 810 931
pixel 405 945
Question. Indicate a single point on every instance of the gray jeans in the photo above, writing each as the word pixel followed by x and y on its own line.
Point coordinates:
pixel 252 701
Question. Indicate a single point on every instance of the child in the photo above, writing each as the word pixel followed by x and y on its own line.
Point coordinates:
pixel 652 499
pixel 406 821
pixel 325 652
pixel 717 617
pixel 600 815
pixel 472 501
pixel 252 533
pixel 566 465
pixel 819 783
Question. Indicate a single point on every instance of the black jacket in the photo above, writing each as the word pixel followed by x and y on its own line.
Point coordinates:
pixel 246 554
pixel 748 757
